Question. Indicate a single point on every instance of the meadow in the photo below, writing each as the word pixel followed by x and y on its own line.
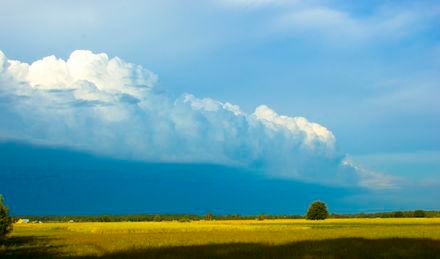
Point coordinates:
pixel 298 238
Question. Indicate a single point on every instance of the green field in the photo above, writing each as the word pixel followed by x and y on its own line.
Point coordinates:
pixel 332 238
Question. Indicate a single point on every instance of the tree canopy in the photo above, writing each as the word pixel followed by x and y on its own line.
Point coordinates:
pixel 5 219
pixel 317 211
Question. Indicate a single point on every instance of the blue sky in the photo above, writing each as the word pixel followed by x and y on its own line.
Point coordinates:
pixel 367 71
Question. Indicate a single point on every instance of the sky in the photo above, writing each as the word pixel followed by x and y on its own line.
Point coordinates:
pixel 333 98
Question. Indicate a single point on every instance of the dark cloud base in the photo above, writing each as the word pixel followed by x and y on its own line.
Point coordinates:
pixel 53 181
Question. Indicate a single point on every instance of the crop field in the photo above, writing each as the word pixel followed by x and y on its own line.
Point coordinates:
pixel 297 238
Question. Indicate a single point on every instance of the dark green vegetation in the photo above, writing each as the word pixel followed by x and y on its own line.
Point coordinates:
pixel 419 214
pixel 392 214
pixel 5 220
pixel 329 248
pixel 210 216
pixel 317 211
pixel 152 217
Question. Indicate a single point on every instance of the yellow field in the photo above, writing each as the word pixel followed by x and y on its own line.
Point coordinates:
pixel 98 239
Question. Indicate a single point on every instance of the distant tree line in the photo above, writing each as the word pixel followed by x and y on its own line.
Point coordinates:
pixel 211 216
pixel 392 214
pixel 316 211
pixel 152 217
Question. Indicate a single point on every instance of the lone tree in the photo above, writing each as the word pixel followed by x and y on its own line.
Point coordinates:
pixel 317 211
pixel 5 220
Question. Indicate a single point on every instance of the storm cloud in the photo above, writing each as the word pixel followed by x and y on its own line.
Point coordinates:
pixel 111 107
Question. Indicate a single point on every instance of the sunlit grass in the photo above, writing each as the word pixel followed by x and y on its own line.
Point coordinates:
pixel 105 238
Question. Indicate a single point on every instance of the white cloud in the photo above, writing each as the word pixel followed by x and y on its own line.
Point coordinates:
pixel 340 23
pixel 107 75
pixel 110 107
pixel 312 131
pixel 372 179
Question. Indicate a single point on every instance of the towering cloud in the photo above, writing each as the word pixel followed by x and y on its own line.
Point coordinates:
pixel 108 106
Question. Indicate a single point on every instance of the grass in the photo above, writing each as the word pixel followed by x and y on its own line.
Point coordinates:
pixel 332 238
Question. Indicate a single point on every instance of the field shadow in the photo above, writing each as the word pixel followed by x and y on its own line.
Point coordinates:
pixel 28 247
pixel 331 248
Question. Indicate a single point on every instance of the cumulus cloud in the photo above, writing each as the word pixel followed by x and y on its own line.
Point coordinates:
pixel 108 106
